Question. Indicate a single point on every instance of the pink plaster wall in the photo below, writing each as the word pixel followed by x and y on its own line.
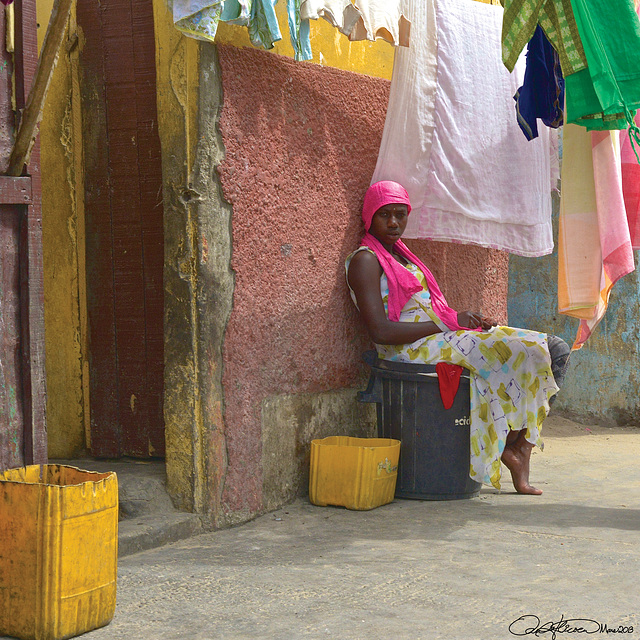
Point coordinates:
pixel 301 144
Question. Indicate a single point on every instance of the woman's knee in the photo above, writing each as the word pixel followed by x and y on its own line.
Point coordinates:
pixel 560 353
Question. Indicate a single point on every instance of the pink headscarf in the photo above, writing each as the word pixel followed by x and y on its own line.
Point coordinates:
pixel 402 283
pixel 379 194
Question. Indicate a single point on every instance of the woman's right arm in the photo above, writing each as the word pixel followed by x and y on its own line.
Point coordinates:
pixel 364 278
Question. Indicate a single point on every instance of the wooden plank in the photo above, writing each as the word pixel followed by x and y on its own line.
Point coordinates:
pixel 103 385
pixel 34 103
pixel 11 394
pixel 7 117
pixel 126 227
pixel 11 412
pixel 125 239
pixel 31 270
pixel 14 190
pixel 151 216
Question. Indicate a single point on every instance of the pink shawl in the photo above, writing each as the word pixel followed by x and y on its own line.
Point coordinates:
pixel 402 283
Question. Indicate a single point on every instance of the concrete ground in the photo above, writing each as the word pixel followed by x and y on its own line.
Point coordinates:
pixel 414 570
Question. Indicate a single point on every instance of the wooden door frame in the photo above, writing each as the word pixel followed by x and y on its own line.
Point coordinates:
pixel 25 194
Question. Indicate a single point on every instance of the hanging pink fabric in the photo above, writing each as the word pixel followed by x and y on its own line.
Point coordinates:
pixel 594 247
pixel 631 182
pixel 402 284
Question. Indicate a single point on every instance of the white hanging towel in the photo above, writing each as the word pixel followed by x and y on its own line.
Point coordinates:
pixel 342 14
pixel 382 19
pixel 473 177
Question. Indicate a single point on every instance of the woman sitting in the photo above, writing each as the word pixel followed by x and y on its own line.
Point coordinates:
pixel 408 319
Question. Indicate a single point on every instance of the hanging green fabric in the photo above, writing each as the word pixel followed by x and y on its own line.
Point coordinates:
pixel 556 19
pixel 607 93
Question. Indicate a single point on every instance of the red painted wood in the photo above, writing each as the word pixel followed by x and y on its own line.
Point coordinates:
pixel 11 406
pixel 15 190
pixel 124 232
pixel 105 422
pixel 31 267
pixel 151 217
pixel 23 437
pixel 7 119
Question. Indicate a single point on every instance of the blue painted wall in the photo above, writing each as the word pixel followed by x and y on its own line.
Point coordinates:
pixel 603 383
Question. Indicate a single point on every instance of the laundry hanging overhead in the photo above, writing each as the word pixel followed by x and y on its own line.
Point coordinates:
pixel 363 19
pixel 594 246
pixel 542 94
pixel 598 44
pixel 631 177
pixel 556 18
pixel 606 94
pixel 197 18
pixel 357 19
pixel 341 14
pixel 631 185
pixel 451 138
pixel 381 19
pixel 200 19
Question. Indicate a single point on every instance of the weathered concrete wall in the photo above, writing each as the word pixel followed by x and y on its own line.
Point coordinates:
pixel 471 278
pixel 198 280
pixel 290 423
pixel 301 144
pixel 603 383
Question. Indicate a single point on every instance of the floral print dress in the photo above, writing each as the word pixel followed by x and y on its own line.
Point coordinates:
pixel 510 376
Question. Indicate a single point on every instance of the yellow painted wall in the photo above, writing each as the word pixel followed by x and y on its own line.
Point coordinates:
pixel 60 232
pixel 177 82
pixel 330 47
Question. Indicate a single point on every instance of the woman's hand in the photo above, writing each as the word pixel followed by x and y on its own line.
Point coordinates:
pixel 488 323
pixel 475 320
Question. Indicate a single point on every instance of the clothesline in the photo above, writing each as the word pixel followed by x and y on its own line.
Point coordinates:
pixel 357 19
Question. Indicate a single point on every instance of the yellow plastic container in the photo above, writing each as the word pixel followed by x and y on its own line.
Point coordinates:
pixel 356 473
pixel 58 551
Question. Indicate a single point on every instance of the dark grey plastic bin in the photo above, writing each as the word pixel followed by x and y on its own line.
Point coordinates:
pixel 434 454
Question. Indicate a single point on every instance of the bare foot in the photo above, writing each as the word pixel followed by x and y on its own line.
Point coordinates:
pixel 516 457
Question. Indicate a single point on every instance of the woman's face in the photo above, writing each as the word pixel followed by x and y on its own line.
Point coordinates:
pixel 389 222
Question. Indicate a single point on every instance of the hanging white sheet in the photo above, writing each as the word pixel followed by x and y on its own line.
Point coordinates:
pixel 471 174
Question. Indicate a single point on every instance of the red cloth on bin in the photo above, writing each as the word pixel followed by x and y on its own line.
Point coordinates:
pixel 448 381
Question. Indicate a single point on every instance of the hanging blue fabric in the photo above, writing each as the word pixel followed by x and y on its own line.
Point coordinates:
pixel 299 31
pixel 542 93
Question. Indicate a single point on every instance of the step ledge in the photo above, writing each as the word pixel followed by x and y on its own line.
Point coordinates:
pixel 151 531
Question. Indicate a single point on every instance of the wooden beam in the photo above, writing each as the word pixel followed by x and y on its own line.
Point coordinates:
pixel 32 113
pixel 34 388
pixel 15 190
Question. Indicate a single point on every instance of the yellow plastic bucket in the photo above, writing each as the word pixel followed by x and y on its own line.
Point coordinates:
pixel 356 473
pixel 58 551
